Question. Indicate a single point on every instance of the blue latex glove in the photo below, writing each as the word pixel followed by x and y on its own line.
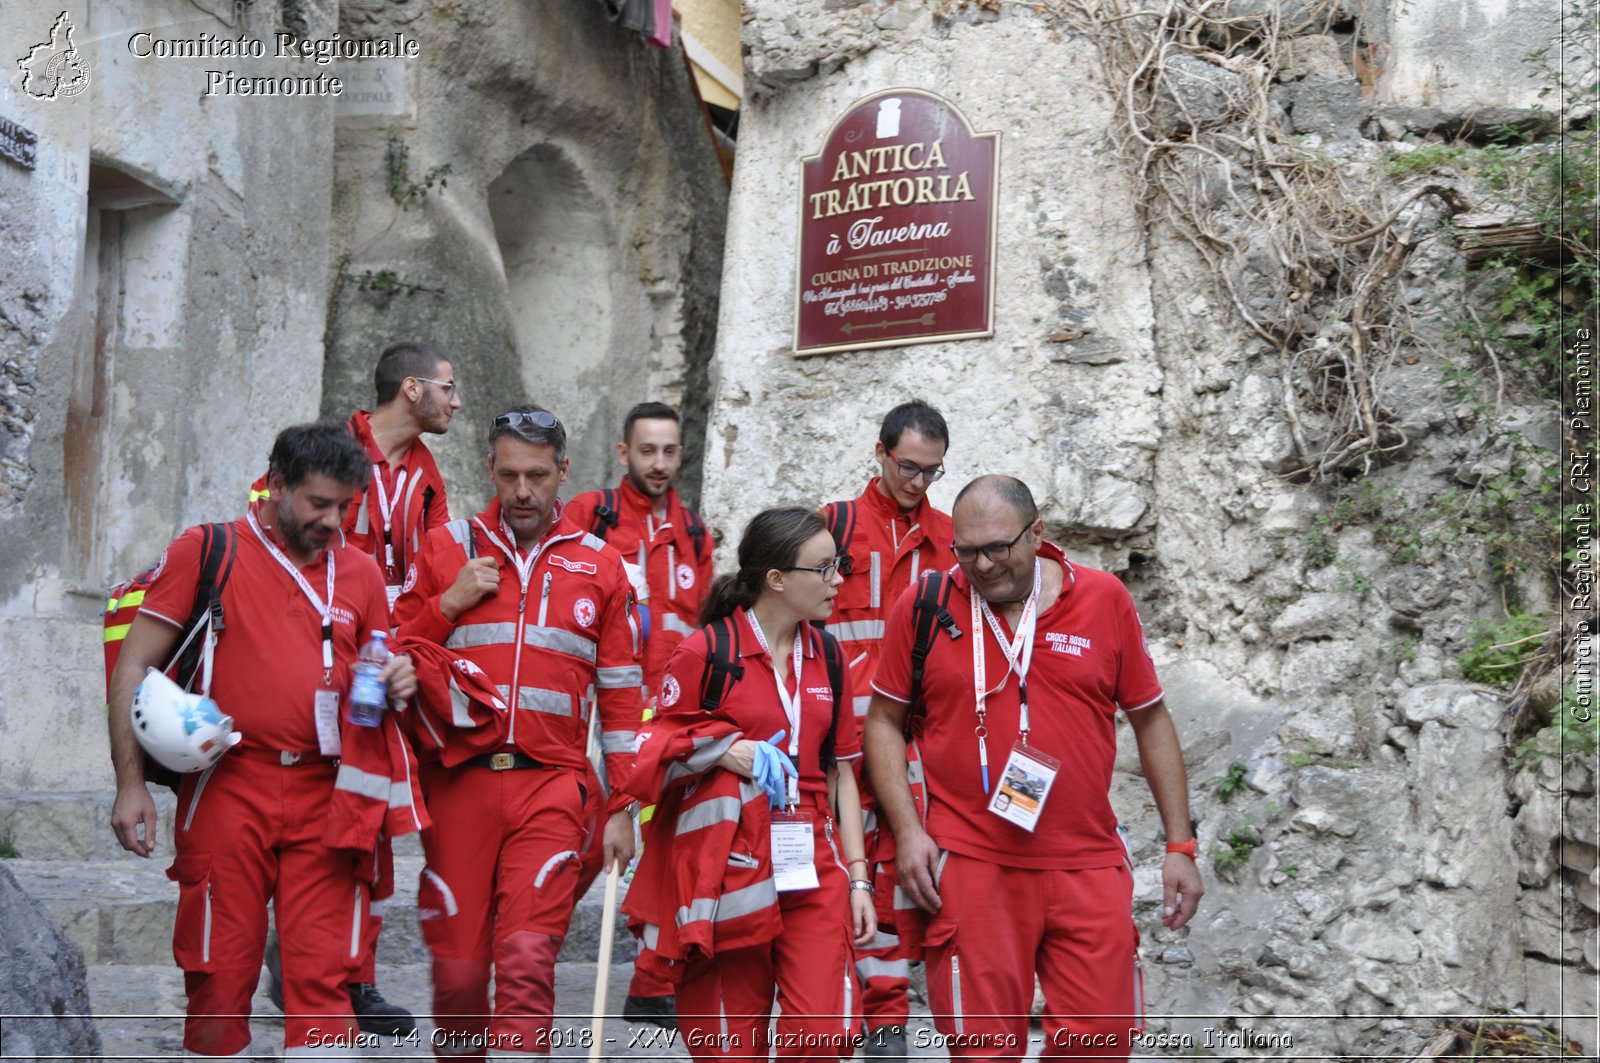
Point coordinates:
pixel 771 768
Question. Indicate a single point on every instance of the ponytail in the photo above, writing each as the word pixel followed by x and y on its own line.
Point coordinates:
pixel 772 539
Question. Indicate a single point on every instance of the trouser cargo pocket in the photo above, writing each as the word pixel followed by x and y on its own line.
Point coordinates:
pixel 191 933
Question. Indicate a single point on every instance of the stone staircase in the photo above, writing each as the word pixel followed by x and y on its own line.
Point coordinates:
pixel 119 910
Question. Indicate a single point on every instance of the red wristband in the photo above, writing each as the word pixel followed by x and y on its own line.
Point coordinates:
pixel 1189 848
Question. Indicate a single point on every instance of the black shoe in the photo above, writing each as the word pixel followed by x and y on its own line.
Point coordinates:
pixel 274 971
pixel 376 1015
pixel 659 1011
pixel 886 1042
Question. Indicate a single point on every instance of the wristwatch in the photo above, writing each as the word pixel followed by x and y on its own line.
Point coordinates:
pixel 861 884
pixel 1189 848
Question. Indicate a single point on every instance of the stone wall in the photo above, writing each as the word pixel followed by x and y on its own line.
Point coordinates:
pixel 573 251
pixel 1362 825
pixel 160 319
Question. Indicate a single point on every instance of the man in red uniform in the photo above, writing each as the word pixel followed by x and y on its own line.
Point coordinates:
pixel 1019 865
pixel 646 521
pixel 889 536
pixel 392 510
pixel 545 610
pixel 298 602
pixel 648 524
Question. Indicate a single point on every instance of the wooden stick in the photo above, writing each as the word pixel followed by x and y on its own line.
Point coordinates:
pixel 602 973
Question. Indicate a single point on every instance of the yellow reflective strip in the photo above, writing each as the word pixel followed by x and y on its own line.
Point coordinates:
pixel 646 814
pixel 132 599
pixel 256 496
pixel 649 714
pixel 111 605
pixel 117 632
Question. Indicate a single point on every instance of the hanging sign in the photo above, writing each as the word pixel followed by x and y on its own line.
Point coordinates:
pixel 897 228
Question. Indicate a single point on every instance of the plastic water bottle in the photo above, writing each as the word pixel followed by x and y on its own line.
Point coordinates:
pixel 369 692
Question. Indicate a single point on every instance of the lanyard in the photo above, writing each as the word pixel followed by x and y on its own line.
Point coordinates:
pixel 790 702
pixel 1019 654
pixel 386 510
pixel 324 609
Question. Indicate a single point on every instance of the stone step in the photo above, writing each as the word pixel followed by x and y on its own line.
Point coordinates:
pixel 139 1012
pixel 120 911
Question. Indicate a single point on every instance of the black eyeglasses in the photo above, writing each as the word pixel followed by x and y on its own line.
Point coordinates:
pixel 911 470
pixel 542 419
pixel 993 551
pixel 825 570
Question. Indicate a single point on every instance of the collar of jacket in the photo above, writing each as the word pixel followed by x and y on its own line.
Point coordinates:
pixel 888 508
pixel 560 528
pixel 640 505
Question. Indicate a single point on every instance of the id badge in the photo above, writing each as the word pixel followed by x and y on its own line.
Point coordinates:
pixel 392 592
pixel 328 723
pixel 1024 785
pixel 794 864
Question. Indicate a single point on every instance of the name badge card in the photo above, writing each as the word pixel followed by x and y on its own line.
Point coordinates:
pixel 1024 785
pixel 793 861
pixel 328 723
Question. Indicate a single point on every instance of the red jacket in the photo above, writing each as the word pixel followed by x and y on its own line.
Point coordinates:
pixel 565 637
pixel 704 883
pixel 418 502
pixel 888 550
pixel 676 565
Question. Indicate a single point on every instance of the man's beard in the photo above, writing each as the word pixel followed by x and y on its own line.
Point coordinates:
pixel 296 534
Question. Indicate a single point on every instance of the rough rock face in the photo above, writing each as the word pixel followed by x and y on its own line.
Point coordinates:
pixel 43 992
pixel 571 255
pixel 1369 849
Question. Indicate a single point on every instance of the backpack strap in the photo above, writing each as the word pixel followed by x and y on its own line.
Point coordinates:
pixel 930 610
pixel 697 532
pixel 841 518
pixel 833 657
pixel 606 514
pixel 218 547
pixel 723 669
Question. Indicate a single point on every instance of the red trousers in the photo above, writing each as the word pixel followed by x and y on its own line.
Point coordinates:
pixel 382 887
pixel 997 926
pixel 724 1003
pixel 503 864
pixel 883 969
pixel 248 831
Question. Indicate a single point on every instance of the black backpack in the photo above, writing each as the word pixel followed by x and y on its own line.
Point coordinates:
pixel 608 513
pixel 841 518
pixel 930 610
pixel 723 670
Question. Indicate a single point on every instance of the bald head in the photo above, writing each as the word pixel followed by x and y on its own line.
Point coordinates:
pixel 988 492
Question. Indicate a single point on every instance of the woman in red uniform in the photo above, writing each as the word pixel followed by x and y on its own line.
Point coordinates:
pixel 739 934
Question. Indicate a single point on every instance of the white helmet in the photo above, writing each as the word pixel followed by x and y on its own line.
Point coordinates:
pixel 181 731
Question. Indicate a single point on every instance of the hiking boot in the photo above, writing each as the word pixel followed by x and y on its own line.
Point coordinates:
pixel 274 970
pixel 886 1042
pixel 657 1011
pixel 375 1014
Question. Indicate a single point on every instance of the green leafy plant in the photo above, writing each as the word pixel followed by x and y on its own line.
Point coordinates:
pixel 1236 848
pixel 1231 783
pixel 1497 652
pixel 1573 733
pixel 402 189
pixel 8 847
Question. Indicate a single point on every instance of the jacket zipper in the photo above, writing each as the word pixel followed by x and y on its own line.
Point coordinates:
pixel 672 572
pixel 516 659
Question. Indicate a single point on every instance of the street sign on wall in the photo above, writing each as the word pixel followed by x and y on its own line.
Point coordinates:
pixel 897 228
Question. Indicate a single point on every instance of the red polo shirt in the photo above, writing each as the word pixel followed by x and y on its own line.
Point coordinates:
pixel 1089 660
pixel 268 665
pixel 753 703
